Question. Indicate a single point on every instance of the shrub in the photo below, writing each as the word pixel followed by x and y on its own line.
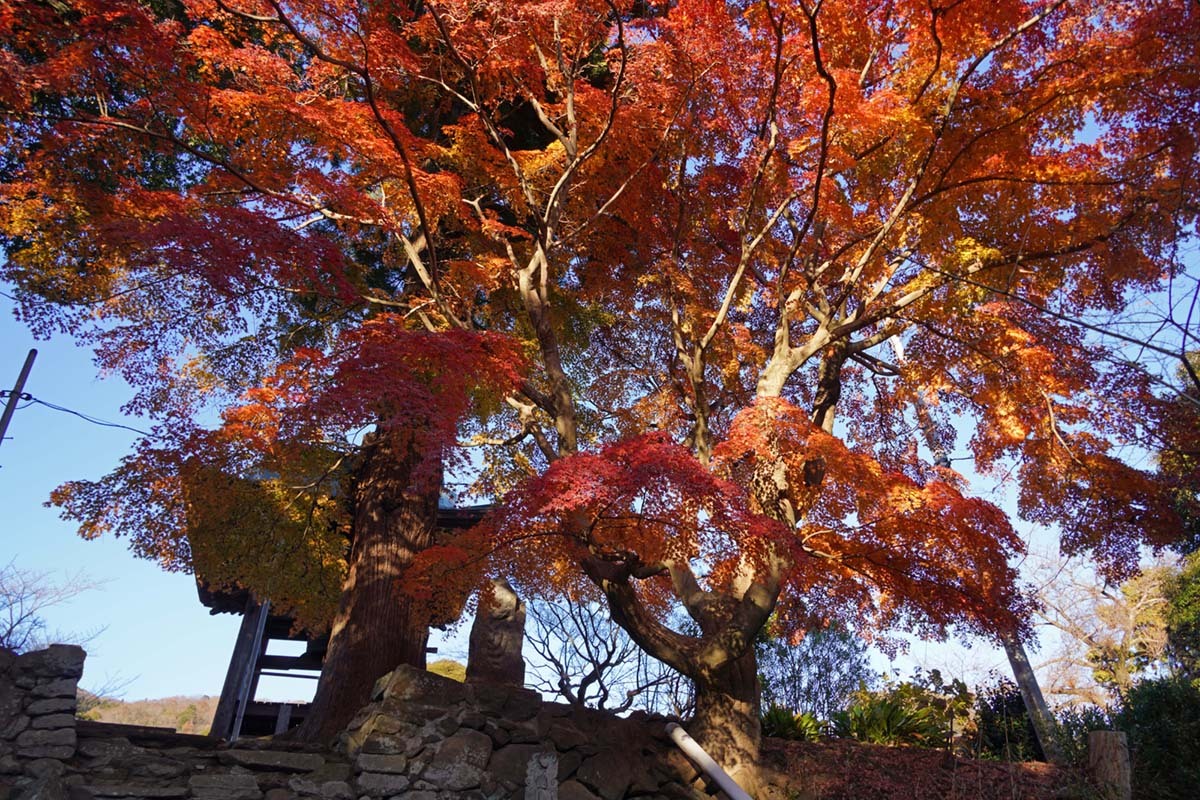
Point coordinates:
pixel 1074 725
pixel 1003 729
pixel 1162 719
pixel 880 719
pixel 782 723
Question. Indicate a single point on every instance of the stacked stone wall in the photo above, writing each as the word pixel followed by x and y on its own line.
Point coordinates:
pixel 423 737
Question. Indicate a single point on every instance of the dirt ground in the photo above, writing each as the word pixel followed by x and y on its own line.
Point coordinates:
pixel 846 770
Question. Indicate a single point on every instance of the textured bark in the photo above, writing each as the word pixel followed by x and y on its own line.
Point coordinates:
pixel 377 626
pixel 727 721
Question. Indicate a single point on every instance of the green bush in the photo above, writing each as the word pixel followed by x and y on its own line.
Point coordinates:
pixel 1003 729
pixel 1074 725
pixel 1162 719
pixel 880 719
pixel 781 723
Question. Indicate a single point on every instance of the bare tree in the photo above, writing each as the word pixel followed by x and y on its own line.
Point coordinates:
pixel 588 660
pixel 25 595
pixel 1109 634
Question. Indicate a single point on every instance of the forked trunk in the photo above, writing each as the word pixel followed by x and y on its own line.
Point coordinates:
pixel 377 626
pixel 727 723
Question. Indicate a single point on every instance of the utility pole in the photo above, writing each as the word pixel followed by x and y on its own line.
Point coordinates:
pixel 15 394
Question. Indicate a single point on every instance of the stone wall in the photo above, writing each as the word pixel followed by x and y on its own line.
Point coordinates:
pixel 423 737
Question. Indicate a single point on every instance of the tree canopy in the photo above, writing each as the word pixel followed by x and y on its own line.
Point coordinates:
pixel 714 285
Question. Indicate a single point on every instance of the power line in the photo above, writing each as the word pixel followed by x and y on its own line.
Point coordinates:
pixel 31 400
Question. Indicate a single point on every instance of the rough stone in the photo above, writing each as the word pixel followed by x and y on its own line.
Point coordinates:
pixel 508 763
pixel 42 738
pixel 336 790
pixel 54 705
pixel 9 765
pixel 607 773
pixel 43 767
pixel 49 787
pixel 574 790
pixel 565 735
pixel 524 733
pixel 137 790
pixel 147 765
pixel 272 760
pixel 383 744
pixel 234 786
pixel 465 747
pixel 568 762
pixel 105 748
pixel 470 718
pixel 371 762
pixel 453 777
pixel 412 685
pixel 381 783
pixel 54 721
pixel 521 705
pixel 14 725
pixel 64 687
pixel 51 751
pixel 278 794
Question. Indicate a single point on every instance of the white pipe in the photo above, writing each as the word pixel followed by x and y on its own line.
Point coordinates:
pixel 705 762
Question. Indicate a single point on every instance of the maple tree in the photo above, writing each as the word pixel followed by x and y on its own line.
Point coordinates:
pixel 691 274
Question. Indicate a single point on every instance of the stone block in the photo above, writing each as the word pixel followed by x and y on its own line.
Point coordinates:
pixel 453 777
pixel 50 721
pixel 566 735
pixel 381 784
pixel 372 762
pixel 49 787
pixel 522 704
pixel 42 767
pixel 608 774
pixel 508 763
pixel 64 687
pixel 137 790
pixel 13 726
pixel 278 794
pixel 465 747
pixel 53 705
pixel 233 786
pixel 58 743
pixel 574 790
pixel 412 685
pixel 272 760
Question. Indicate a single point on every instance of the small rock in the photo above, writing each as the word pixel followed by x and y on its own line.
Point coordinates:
pixel 336 790
pixel 49 787
pixel 278 794
pixel 14 725
pixel 470 718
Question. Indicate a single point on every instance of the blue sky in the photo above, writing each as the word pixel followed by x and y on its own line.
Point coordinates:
pixel 156 634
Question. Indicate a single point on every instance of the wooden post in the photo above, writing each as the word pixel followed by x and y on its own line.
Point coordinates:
pixel 1108 764
pixel 245 651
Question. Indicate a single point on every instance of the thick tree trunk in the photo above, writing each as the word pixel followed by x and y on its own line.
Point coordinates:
pixel 727 723
pixel 377 626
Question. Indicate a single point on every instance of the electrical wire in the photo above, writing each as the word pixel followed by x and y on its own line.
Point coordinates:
pixel 31 400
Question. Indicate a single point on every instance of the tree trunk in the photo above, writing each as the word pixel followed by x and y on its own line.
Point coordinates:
pixel 377 626
pixel 1044 724
pixel 727 721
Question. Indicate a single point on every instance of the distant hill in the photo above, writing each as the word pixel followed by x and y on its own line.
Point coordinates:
pixel 184 714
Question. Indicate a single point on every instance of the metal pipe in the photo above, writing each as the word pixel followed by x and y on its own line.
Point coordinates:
pixel 705 762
